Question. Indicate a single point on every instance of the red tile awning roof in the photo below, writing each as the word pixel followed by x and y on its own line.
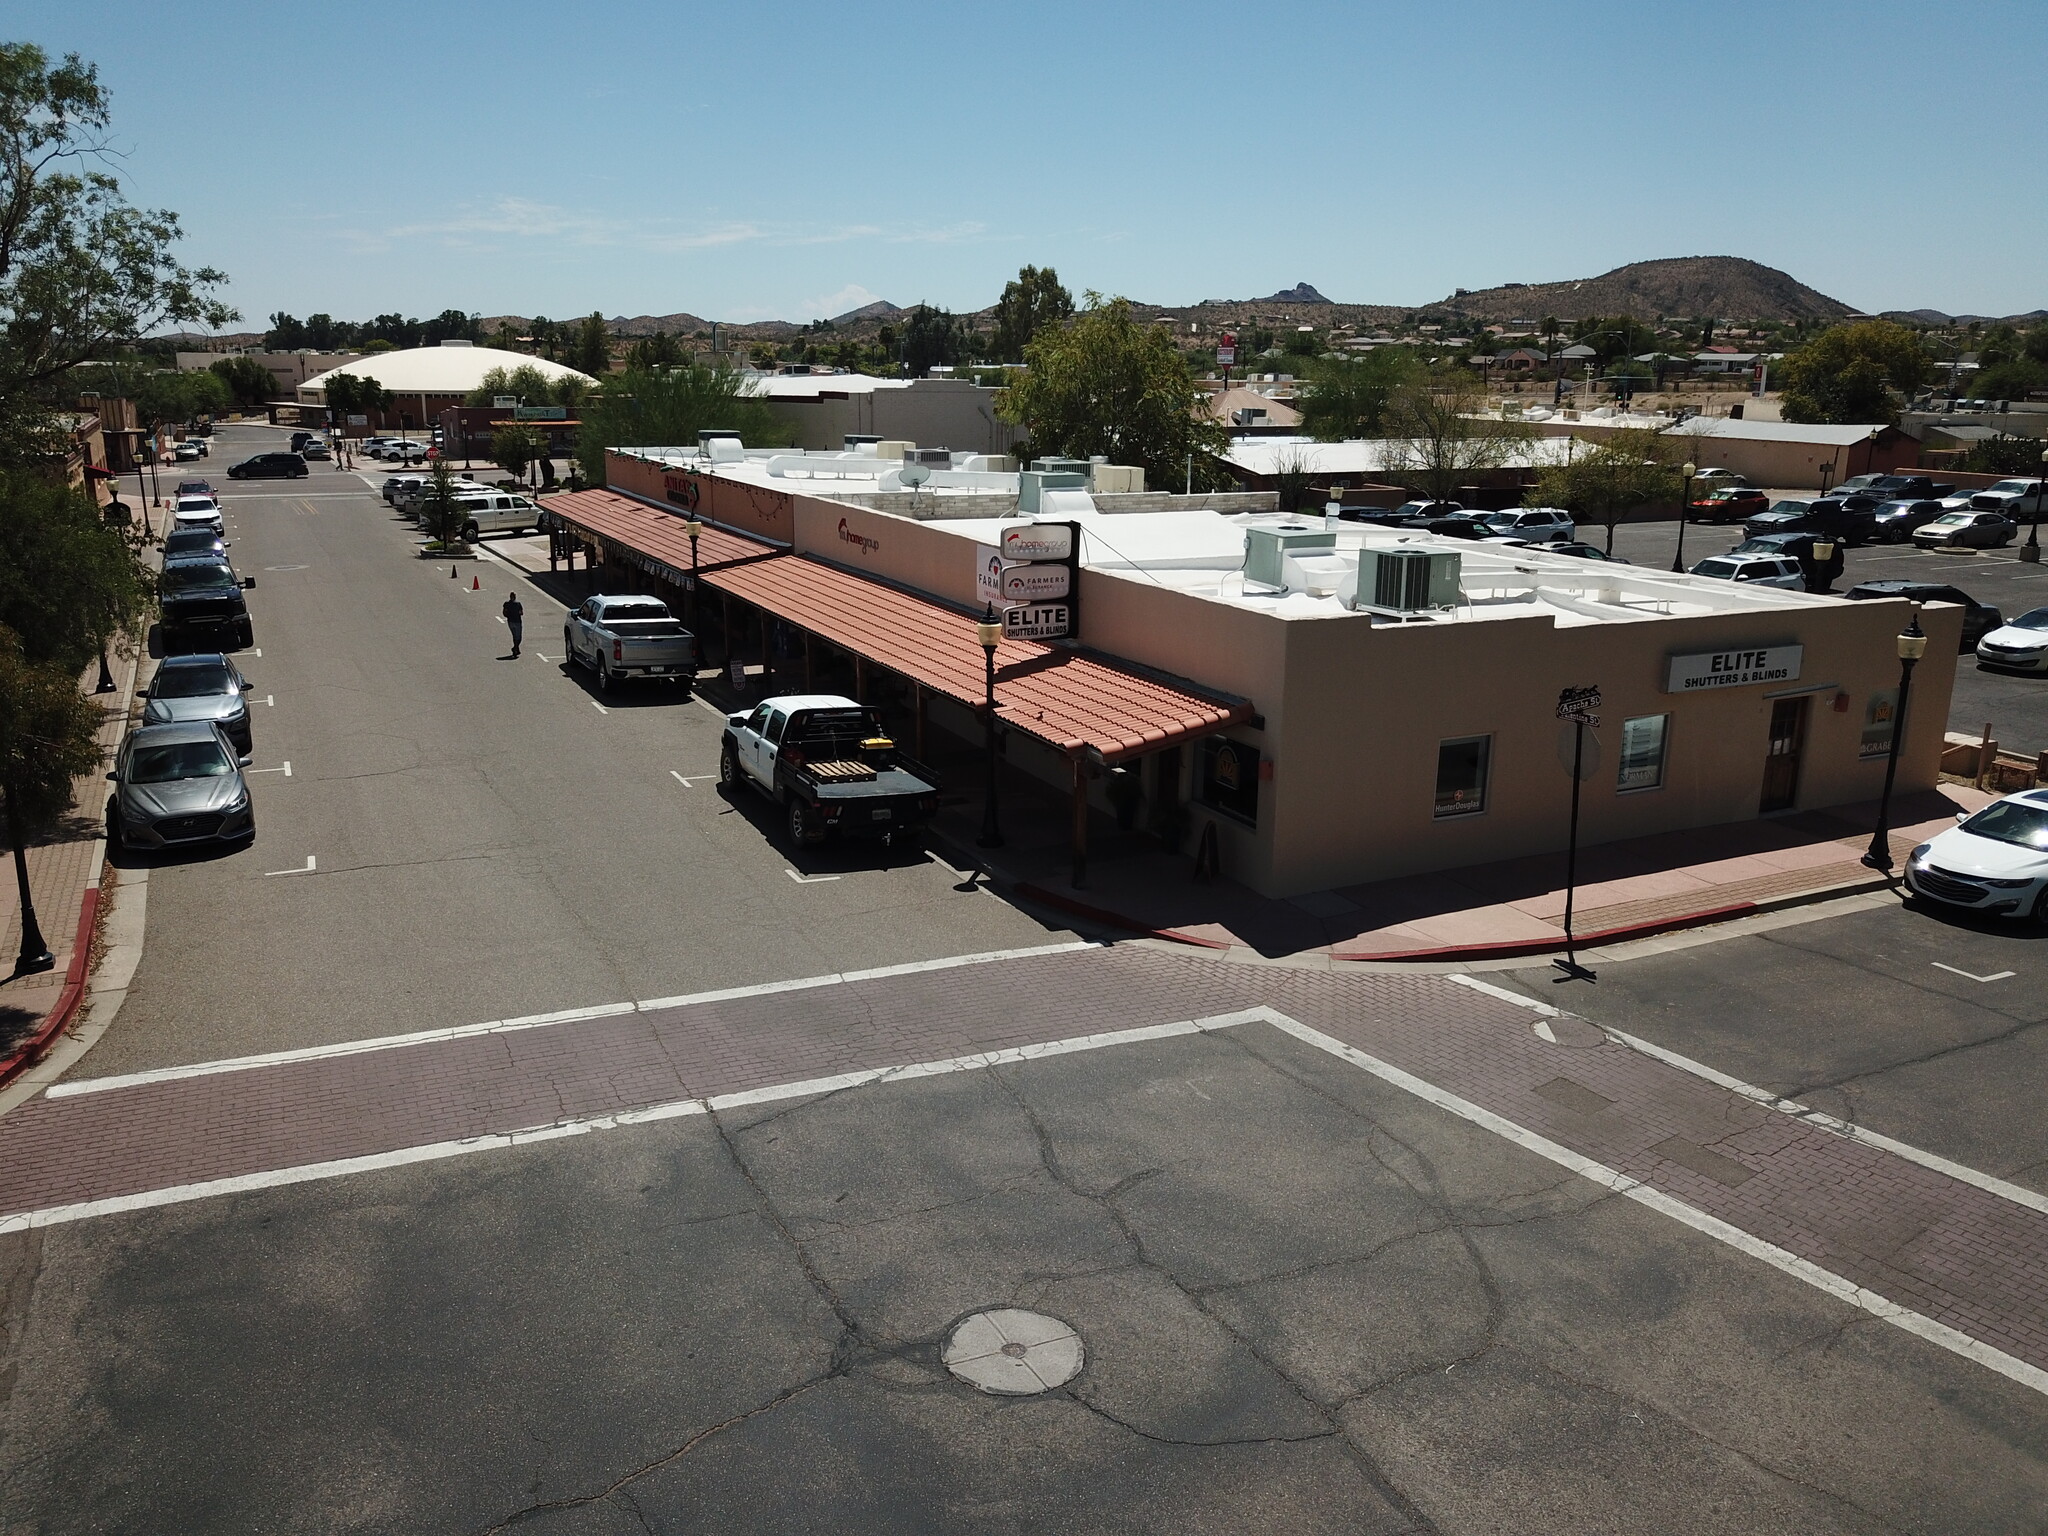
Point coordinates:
pixel 1068 700
pixel 650 536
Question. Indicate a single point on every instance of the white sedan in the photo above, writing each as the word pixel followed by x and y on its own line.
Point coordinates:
pixel 2021 645
pixel 1995 862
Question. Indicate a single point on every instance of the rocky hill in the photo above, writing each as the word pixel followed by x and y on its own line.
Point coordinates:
pixel 1723 287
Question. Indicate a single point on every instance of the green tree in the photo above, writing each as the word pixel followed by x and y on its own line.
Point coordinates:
pixel 1853 373
pixel 355 394
pixel 1104 383
pixel 526 383
pixel 930 336
pixel 49 736
pixel 451 325
pixel 69 582
pixel 660 350
pixel 249 382
pixel 591 352
pixel 1032 302
pixel 440 514
pixel 170 396
pixel 2004 455
pixel 568 390
pixel 1440 432
pixel 81 271
pixel 515 447
pixel 642 410
pixel 1630 468
pixel 1347 397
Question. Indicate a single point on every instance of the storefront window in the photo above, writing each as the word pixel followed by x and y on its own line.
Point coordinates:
pixel 1642 752
pixel 1461 765
pixel 1230 778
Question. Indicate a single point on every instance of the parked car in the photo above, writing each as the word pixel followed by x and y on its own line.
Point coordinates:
pixel 1728 504
pixel 1575 548
pixel 629 636
pixel 2015 498
pixel 191 543
pixel 197 512
pixel 1855 484
pixel 1718 478
pixel 1979 619
pixel 1538 525
pixel 315 450
pixel 395 485
pixel 1454 525
pixel 496 512
pixel 1386 517
pixel 1819 574
pixel 1967 530
pixel 201 599
pixel 176 785
pixel 1897 521
pixel 301 438
pixel 202 686
pixel 196 488
pixel 2021 645
pixel 185 453
pixel 1826 516
pixel 1755 570
pixel 1410 513
pixel 200 445
pixel 827 761
pixel 1995 861
pixel 1892 488
pixel 270 466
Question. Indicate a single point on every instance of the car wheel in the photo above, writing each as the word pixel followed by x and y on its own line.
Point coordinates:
pixel 802 823
pixel 469 533
pixel 245 633
pixel 568 649
pixel 116 839
pixel 728 766
pixel 607 680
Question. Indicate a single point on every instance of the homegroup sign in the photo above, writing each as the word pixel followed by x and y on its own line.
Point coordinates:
pixel 1735 669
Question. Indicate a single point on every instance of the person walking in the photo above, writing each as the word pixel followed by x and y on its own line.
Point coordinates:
pixel 515 618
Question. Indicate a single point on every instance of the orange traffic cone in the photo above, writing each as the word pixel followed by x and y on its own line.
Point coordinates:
pixel 476 584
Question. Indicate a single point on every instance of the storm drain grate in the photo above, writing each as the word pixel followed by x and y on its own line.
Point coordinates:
pixel 1012 1352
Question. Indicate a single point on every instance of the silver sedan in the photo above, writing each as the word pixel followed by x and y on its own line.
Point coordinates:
pixel 178 786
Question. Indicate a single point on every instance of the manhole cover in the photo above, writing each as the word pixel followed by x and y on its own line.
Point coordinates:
pixel 1013 1352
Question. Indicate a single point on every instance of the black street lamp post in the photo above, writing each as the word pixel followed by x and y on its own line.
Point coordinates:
pixel 2030 552
pixel 1684 506
pixel 695 530
pixel 34 956
pixel 988 632
pixel 1912 646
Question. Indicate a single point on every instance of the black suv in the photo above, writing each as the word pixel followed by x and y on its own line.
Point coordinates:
pixel 202 599
pixel 1979 619
pixel 1820 575
pixel 1829 515
pixel 270 466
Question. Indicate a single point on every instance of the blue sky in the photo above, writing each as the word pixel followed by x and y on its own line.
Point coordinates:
pixel 789 161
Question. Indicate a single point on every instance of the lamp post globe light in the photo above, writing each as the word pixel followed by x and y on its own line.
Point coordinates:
pixel 988 632
pixel 1823 558
pixel 1912 645
pixel 1684 506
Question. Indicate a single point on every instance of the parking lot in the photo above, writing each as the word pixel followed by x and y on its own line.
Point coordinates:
pixel 2015 705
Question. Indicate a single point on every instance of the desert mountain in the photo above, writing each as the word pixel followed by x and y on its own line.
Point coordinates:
pixel 881 309
pixel 1725 287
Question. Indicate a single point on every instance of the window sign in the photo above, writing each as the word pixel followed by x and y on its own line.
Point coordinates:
pixel 1879 716
pixel 1230 778
pixel 1642 752
pixel 1461 768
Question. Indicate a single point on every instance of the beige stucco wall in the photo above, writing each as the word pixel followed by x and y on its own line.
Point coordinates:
pixel 933 413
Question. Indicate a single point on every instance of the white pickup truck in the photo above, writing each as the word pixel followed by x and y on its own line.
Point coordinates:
pixel 629 636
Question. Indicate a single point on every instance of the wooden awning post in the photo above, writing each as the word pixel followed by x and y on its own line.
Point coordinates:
pixel 860 678
pixel 1080 873
pixel 725 647
pixel 917 727
pixel 810 680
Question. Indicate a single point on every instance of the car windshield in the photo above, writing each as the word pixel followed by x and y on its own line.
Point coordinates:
pixel 1790 508
pixel 192 681
pixel 1758 547
pixel 183 541
pixel 189 578
pixel 2036 618
pixel 175 760
pixel 2016 487
pixel 1716 568
pixel 1950 519
pixel 2019 822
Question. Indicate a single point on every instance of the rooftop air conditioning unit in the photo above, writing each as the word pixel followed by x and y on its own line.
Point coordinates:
pixel 1407 581
pixel 937 458
pixel 1265 547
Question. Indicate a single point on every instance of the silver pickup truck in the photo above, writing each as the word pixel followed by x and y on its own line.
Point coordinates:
pixel 627 637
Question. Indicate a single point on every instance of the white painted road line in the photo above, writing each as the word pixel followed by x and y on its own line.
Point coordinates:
pixel 286 770
pixel 542 1020
pixel 1726 1233
pixel 810 879
pixel 270 700
pixel 1989 1183
pixel 599 707
pixel 695 778
pixel 310 869
pixel 1969 976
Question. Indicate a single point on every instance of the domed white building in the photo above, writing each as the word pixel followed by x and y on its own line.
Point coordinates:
pixel 425 381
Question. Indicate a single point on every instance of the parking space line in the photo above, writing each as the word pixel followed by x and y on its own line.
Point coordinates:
pixel 286 770
pixel 810 879
pixel 311 869
pixel 599 707
pixel 695 778
pixel 1968 976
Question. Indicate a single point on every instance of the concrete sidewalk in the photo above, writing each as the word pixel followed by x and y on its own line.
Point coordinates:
pixel 1628 889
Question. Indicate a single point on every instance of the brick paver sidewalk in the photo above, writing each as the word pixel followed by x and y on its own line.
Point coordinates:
pixel 1948 1250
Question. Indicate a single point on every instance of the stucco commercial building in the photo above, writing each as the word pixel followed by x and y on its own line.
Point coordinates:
pixel 425 381
pixel 1341 704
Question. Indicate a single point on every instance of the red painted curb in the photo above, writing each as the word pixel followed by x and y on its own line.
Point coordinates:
pixel 67 1000
pixel 1510 948
pixel 1044 897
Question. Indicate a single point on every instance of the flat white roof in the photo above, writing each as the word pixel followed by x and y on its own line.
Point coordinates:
pixel 1356 456
pixel 1776 431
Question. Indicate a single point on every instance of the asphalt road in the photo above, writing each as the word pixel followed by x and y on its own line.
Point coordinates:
pixel 1309 1302
pixel 2016 705
pixel 489 838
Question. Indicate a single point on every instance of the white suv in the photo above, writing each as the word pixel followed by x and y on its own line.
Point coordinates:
pixel 496 512
pixel 1755 571
pixel 1534 525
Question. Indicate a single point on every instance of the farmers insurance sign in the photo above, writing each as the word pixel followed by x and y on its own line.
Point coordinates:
pixel 1734 669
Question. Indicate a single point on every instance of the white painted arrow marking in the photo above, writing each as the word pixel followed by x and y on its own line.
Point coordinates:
pixel 1970 976
pixel 310 868
pixel 809 879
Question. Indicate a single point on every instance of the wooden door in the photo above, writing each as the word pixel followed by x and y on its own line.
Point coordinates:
pixel 1781 761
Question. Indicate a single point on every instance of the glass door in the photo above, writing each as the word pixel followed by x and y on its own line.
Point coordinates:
pixel 1781 760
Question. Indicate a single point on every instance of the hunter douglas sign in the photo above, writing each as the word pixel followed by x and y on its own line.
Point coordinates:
pixel 1734 669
